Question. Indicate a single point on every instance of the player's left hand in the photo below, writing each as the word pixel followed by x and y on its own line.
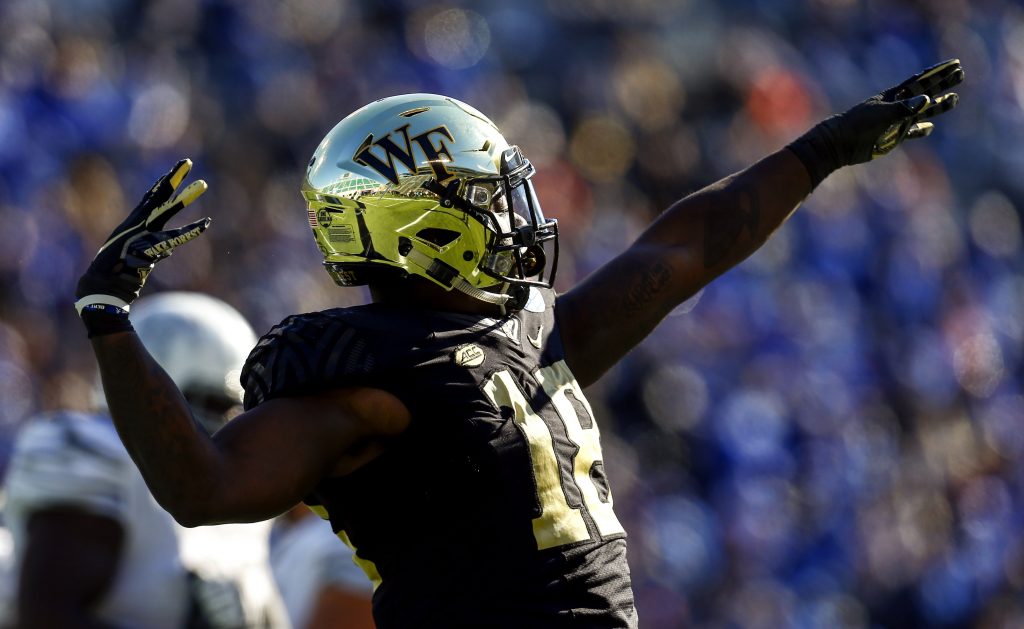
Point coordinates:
pixel 918 98
pixel 878 125
pixel 117 273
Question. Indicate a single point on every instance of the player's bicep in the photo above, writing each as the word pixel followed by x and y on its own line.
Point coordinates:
pixel 613 309
pixel 274 455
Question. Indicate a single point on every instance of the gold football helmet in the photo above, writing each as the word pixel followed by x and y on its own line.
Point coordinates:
pixel 425 185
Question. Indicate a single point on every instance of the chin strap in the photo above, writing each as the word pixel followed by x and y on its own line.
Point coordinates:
pixel 461 285
pixel 497 299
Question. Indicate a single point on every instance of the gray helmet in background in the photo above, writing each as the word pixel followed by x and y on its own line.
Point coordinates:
pixel 201 342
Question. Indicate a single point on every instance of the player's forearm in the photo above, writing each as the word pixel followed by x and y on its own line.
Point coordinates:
pixel 176 458
pixel 712 230
pixel 693 242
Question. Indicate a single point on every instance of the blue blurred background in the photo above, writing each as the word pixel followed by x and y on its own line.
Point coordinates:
pixel 828 436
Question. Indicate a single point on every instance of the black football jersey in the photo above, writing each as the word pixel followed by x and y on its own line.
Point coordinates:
pixel 493 508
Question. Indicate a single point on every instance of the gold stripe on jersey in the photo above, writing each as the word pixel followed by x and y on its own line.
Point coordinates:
pixel 320 511
pixel 558 380
pixel 367 566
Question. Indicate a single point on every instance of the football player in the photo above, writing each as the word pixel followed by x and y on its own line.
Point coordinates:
pixel 91 546
pixel 442 429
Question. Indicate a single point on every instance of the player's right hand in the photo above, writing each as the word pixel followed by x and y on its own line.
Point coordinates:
pixel 117 273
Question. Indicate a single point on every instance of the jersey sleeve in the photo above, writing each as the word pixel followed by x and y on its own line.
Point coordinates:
pixel 305 354
pixel 69 461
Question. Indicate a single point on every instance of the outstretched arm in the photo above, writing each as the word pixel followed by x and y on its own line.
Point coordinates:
pixel 707 233
pixel 693 242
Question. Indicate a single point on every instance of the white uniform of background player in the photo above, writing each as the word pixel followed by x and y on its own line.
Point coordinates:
pixel 75 461
pixel 319 582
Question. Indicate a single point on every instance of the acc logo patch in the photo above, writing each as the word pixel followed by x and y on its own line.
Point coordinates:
pixel 468 356
pixel 323 217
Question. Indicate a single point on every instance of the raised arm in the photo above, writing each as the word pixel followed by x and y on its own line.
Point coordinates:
pixel 260 464
pixel 694 241
pixel 263 461
pixel 707 233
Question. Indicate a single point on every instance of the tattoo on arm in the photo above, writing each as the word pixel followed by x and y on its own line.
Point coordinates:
pixel 724 227
pixel 646 287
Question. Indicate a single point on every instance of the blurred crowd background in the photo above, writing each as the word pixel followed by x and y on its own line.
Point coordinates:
pixel 830 435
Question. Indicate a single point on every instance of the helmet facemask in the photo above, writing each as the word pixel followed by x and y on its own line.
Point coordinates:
pixel 524 240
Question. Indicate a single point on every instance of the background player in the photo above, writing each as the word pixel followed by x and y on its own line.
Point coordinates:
pixel 336 394
pixel 91 546
pixel 320 585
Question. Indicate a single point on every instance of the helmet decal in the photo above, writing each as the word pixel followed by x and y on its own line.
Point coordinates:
pixel 364 154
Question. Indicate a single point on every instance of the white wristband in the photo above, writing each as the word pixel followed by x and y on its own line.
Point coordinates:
pixel 108 300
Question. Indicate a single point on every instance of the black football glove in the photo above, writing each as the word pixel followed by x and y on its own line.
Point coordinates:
pixel 878 125
pixel 116 275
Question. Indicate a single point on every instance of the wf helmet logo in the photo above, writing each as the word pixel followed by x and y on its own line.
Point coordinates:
pixel 367 156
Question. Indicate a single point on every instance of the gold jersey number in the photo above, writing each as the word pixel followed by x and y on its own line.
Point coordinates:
pixel 558 523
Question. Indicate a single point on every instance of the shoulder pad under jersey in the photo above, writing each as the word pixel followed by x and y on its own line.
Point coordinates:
pixel 304 354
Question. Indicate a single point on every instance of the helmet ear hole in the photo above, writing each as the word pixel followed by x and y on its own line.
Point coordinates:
pixel 438 236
